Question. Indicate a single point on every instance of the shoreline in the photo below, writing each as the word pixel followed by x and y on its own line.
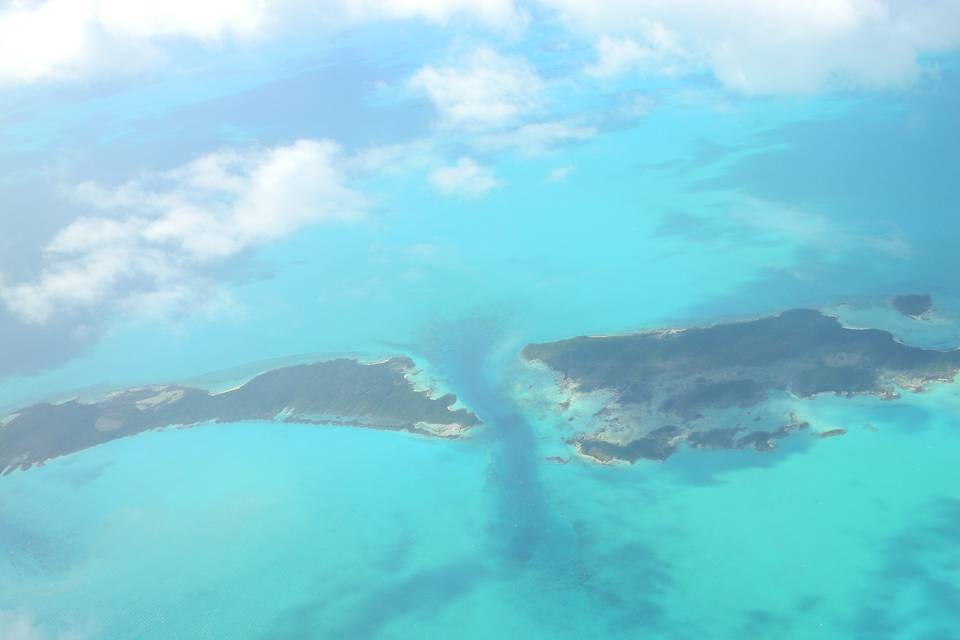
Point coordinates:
pixel 711 381
pixel 341 392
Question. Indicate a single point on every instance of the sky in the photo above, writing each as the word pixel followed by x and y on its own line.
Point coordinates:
pixel 153 153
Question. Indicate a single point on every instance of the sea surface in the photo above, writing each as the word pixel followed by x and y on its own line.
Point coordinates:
pixel 695 215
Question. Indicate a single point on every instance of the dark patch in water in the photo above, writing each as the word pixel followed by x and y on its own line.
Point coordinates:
pixel 79 476
pixel 707 466
pixel 914 592
pixel 29 550
pixel 462 353
pixel 429 590
pixel 913 305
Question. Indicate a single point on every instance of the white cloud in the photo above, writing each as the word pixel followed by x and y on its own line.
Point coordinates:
pixel 560 174
pixel 657 52
pixel 637 105
pixel 750 221
pixel 466 177
pixel 392 159
pixel 754 46
pixel 168 226
pixel 71 39
pixel 19 626
pixel 489 90
pixel 495 13
pixel 492 101
pixel 536 137
pixel 774 46
pixel 792 225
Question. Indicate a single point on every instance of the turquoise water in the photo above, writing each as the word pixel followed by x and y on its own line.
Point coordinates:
pixel 259 531
pixel 693 215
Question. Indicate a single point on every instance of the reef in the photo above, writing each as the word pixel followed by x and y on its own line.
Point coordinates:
pixel 699 386
pixel 341 392
pixel 913 305
pixel 833 433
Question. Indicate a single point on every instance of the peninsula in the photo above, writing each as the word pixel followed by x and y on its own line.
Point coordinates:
pixel 343 392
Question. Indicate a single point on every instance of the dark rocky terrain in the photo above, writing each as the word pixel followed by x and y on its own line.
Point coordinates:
pixel 342 391
pixel 674 386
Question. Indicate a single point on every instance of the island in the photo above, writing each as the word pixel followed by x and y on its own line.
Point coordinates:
pixel 913 305
pixel 709 387
pixel 343 391
pixel 833 433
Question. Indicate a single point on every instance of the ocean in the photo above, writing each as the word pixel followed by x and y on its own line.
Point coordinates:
pixel 696 215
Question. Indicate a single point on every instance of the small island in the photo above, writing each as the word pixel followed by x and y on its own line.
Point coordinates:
pixel 344 391
pixel 707 387
pixel 913 305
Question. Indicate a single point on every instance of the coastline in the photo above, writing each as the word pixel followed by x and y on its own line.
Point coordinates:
pixel 618 426
pixel 340 392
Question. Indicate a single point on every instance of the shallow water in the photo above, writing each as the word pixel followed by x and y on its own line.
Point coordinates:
pixel 256 531
pixel 276 531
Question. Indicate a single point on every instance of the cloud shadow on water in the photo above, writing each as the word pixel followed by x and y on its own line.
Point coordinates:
pixel 707 467
pixel 426 591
